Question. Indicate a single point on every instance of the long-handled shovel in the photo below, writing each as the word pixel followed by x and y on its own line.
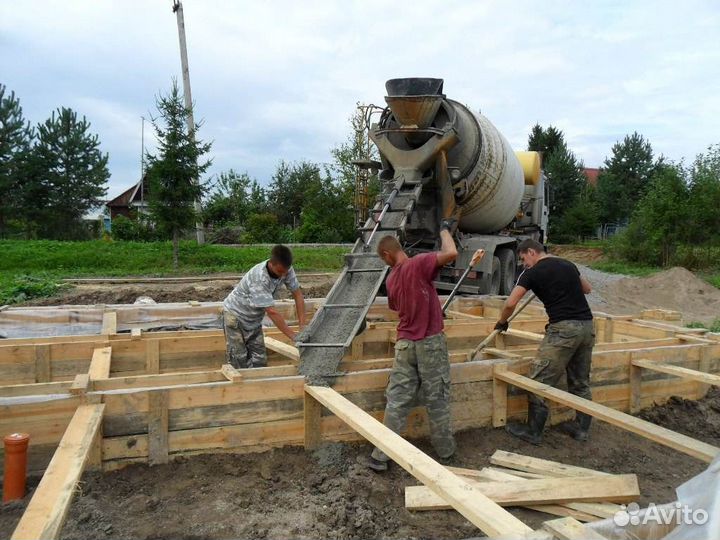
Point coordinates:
pixel 473 262
pixel 487 340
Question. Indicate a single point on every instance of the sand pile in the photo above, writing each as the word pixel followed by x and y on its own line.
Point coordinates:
pixel 676 288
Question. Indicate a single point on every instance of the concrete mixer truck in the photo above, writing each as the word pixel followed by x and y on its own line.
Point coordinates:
pixel 425 141
pixel 501 192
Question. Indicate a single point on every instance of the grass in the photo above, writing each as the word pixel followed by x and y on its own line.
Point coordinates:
pixel 621 267
pixel 713 327
pixel 29 269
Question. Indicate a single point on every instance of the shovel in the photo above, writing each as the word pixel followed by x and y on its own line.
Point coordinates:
pixel 487 340
pixel 475 259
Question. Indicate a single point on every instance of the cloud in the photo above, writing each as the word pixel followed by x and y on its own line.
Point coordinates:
pixel 278 80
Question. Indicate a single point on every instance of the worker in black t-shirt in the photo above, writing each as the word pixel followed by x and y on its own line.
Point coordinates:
pixel 569 337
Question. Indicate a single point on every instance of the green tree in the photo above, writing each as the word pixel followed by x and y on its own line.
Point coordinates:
pixel 70 174
pixel 288 190
pixel 545 141
pixel 625 178
pixel 659 222
pixel 229 203
pixel 566 180
pixel 580 220
pixel 15 143
pixel 174 173
pixel 704 199
pixel 257 202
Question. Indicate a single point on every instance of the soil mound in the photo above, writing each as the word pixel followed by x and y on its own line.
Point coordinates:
pixel 677 289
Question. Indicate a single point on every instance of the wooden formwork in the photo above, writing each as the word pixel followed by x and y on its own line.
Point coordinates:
pixel 161 394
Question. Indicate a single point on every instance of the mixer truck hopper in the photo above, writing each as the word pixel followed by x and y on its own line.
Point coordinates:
pixel 424 140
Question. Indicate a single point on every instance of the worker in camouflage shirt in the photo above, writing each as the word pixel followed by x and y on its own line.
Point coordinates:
pixel 252 299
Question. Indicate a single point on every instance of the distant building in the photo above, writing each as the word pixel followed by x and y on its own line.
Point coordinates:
pixel 592 176
pixel 131 202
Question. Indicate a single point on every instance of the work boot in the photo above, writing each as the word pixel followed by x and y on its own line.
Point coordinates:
pixel 372 463
pixel 578 428
pixel 448 461
pixel 532 431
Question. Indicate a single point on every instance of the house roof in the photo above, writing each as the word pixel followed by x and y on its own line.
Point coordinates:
pixel 130 195
pixel 592 176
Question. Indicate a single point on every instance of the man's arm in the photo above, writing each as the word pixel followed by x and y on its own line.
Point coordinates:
pixel 299 306
pixel 586 287
pixel 448 252
pixel 509 307
pixel 280 323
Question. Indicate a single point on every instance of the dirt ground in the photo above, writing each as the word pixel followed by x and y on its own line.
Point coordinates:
pixel 288 493
pixel 314 285
pixel 674 289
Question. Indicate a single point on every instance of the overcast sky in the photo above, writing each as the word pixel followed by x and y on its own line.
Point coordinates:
pixel 279 79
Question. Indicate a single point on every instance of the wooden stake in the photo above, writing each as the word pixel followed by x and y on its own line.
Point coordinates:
pixel 158 427
pixel 312 412
pixel 500 388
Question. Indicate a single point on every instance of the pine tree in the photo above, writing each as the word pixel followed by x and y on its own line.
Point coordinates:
pixel 15 142
pixel 175 171
pixel 566 181
pixel 625 178
pixel 70 175
pixel 545 141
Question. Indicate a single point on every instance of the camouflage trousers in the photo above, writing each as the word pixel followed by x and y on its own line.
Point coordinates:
pixel 421 373
pixel 566 349
pixel 244 348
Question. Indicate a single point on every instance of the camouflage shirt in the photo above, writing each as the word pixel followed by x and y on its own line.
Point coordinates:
pixel 255 292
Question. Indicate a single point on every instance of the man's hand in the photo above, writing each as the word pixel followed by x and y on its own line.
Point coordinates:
pixel 449 225
pixel 502 326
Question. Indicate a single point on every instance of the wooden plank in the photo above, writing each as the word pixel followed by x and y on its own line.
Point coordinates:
pixel 46 512
pixel 282 348
pixel 545 467
pixel 80 384
pixel 682 443
pixel 571 529
pixel 581 511
pixel 678 371
pixel 152 356
pixel 136 333
pixel 100 364
pixel 35 389
pixel 462 496
pixel 312 414
pixel 231 374
pixel 616 488
pixel 499 411
pixel 109 323
pixel 42 364
pixel 158 449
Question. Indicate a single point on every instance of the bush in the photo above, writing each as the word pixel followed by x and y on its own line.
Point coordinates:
pixel 133 230
pixel 229 234
pixel 123 229
pixel 24 287
pixel 262 228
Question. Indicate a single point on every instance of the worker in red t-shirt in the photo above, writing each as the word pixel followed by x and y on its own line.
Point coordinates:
pixel 421 354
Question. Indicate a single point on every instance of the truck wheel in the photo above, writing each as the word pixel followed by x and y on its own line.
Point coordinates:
pixel 507 270
pixel 495 278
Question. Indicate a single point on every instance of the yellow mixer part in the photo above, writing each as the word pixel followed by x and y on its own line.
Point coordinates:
pixel 530 162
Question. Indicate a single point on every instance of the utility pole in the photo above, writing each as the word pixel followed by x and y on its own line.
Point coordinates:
pixel 178 10
pixel 142 167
